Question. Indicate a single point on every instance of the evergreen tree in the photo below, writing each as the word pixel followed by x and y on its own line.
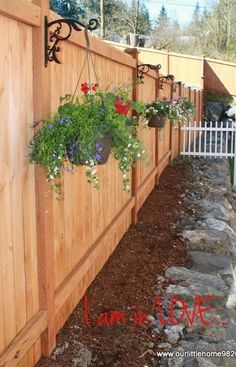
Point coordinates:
pixel 196 13
pixel 66 8
pixel 144 21
pixel 163 20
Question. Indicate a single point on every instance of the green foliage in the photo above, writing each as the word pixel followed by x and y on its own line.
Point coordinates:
pixel 196 13
pixel 72 136
pixel 66 8
pixel 120 16
pixel 211 32
pixel 163 17
pixel 209 97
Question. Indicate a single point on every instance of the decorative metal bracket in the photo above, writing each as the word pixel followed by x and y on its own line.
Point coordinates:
pixel 144 69
pixel 176 85
pixel 52 41
pixel 165 79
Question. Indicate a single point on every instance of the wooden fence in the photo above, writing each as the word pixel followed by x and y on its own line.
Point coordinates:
pixel 50 250
pixel 214 76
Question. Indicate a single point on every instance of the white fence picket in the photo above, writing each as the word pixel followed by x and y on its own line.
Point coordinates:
pixel 224 137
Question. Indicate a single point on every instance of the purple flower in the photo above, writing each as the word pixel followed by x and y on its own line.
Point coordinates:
pixel 69 170
pixel 98 157
pixel 66 120
pixel 51 126
pixel 99 147
pixel 35 123
pixel 73 151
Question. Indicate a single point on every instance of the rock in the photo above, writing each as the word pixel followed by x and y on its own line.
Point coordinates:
pixel 172 337
pixel 165 346
pixel 191 336
pixel 213 334
pixel 151 319
pixel 177 361
pixel 217 197
pixel 231 111
pixel 205 362
pixel 199 345
pixel 191 362
pixel 231 302
pixel 83 355
pixel 158 292
pixel 209 240
pixel 221 226
pixel 154 362
pixel 151 345
pixel 164 362
pixel 184 293
pixel 220 183
pixel 214 111
pixel 175 328
pixel 59 350
pixel 204 346
pixel 209 209
pixel 187 293
pixel 187 223
pixel 160 279
pixel 191 277
pixel 208 262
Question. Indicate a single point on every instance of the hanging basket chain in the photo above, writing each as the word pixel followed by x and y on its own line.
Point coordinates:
pixel 87 57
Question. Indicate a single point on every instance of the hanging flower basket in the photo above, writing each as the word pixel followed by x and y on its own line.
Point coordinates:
pixel 157 121
pixel 177 111
pixel 102 151
pixel 157 113
pixel 86 130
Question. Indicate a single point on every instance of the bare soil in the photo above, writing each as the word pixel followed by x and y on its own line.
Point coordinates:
pixel 128 283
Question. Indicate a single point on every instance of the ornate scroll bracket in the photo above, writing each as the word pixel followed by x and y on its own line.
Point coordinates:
pixel 51 41
pixel 165 79
pixel 144 69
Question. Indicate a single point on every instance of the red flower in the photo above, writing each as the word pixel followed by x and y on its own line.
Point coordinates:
pixel 164 98
pixel 95 87
pixel 85 87
pixel 122 108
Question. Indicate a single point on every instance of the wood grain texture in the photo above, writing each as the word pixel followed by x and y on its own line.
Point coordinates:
pixel 44 203
pixel 220 77
pixel 22 10
pixel 19 281
pixel 52 250
pixel 24 340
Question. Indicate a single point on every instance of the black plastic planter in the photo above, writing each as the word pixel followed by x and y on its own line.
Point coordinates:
pixel 157 121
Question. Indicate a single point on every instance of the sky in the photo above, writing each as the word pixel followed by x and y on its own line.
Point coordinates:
pixel 181 10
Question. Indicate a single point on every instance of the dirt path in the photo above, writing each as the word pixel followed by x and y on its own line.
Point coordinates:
pixel 129 283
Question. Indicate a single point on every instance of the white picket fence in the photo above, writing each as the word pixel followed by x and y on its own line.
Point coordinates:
pixel 210 139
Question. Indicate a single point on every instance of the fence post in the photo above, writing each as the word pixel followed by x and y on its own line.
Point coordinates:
pixel 168 62
pixel 171 127
pixel 44 206
pixel 234 181
pixel 203 73
pixel 180 133
pixel 156 133
pixel 134 53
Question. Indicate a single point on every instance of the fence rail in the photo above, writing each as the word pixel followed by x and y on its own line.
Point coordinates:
pixel 52 250
pixel 213 76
